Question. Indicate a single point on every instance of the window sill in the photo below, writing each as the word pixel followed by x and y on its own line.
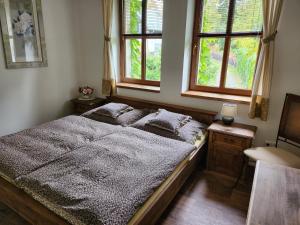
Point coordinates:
pixel 139 87
pixel 217 97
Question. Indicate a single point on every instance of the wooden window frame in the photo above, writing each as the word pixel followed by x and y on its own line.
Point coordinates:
pixel 143 37
pixel 197 35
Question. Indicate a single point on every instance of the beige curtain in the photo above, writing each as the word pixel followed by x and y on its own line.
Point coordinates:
pixel 108 81
pixel 259 106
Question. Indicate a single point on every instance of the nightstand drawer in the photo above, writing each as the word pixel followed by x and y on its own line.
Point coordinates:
pixel 228 139
pixel 227 161
pixel 82 106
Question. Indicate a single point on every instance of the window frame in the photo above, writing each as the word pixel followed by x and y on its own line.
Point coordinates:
pixel 144 36
pixel 197 35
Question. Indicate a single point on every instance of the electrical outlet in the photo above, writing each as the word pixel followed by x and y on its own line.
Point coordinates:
pixel 270 143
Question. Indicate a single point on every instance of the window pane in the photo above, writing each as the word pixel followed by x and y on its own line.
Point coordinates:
pixel 210 61
pixel 133 16
pixel 215 15
pixel 154 16
pixel 242 62
pixel 133 58
pixel 153 59
pixel 248 16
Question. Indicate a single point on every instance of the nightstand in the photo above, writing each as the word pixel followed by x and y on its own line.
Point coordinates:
pixel 226 146
pixel 82 106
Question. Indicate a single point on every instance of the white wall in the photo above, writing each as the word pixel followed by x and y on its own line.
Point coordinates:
pixel 32 96
pixel 176 44
pixel 90 41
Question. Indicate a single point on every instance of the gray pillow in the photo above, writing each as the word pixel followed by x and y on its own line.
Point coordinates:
pixel 189 132
pixel 192 131
pixel 168 121
pixel 113 110
pixel 124 119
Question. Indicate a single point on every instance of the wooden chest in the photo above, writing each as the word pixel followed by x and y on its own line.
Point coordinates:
pixel 226 146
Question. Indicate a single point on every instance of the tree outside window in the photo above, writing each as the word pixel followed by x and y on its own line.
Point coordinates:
pixel 226 43
pixel 141 41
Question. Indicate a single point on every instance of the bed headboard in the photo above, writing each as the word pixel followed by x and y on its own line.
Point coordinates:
pixel 201 115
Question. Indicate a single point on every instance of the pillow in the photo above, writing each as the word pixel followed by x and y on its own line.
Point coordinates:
pixel 113 110
pixel 125 119
pixel 190 132
pixel 168 121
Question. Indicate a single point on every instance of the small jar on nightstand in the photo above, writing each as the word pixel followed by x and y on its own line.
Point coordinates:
pixel 226 146
pixel 82 106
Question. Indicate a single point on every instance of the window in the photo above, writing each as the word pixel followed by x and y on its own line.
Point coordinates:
pixel 226 43
pixel 141 40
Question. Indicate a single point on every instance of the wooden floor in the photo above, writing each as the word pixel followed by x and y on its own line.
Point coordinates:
pixel 8 217
pixel 204 200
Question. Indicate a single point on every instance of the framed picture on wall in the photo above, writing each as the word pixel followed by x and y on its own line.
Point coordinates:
pixel 23 33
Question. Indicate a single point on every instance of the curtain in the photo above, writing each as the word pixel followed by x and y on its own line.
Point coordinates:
pixel 259 106
pixel 108 81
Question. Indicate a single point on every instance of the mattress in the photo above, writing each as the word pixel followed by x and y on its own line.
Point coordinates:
pixel 46 180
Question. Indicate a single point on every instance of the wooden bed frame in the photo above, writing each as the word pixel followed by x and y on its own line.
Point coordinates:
pixel 37 214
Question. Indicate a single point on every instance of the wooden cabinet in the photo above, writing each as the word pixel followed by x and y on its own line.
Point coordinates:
pixel 82 106
pixel 226 146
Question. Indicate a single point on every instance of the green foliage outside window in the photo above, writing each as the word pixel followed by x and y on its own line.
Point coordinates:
pixel 153 67
pixel 135 45
pixel 153 59
pixel 243 50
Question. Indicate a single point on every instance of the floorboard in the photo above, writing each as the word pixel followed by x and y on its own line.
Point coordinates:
pixel 204 200
pixel 9 217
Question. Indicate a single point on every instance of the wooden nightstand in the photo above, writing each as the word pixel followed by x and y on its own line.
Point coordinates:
pixel 82 106
pixel 226 146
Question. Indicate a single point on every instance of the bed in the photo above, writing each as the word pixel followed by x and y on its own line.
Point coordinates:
pixel 25 187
